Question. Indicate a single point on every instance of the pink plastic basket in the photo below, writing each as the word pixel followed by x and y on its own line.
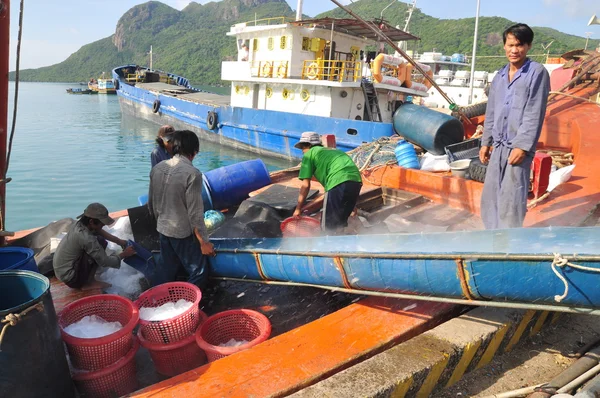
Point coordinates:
pixel 173 329
pixel 247 325
pixel 100 352
pixel 175 358
pixel 297 227
pixel 113 381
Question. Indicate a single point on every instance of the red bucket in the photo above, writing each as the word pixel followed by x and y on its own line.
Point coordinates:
pixel 220 328
pixel 178 327
pixel 97 353
pixel 298 227
pixel 113 381
pixel 175 358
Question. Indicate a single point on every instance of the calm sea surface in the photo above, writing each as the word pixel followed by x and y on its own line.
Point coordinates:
pixel 71 150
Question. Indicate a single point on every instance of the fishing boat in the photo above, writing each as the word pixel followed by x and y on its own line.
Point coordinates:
pixel 79 91
pixel 102 86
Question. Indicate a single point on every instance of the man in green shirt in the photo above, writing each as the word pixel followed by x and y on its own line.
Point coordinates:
pixel 338 174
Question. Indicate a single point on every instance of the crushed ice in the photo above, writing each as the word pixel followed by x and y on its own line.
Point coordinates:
pixel 92 326
pixel 165 311
pixel 233 343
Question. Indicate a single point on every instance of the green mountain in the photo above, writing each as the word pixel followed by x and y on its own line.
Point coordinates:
pixel 192 42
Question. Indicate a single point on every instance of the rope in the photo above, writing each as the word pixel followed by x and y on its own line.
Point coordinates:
pixel 574 97
pixel 13 319
pixel 561 262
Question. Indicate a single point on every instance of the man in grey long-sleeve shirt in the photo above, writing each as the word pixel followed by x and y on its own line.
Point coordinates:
pixel 513 122
pixel 175 200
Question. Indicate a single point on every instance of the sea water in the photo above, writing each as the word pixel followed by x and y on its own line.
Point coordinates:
pixel 72 150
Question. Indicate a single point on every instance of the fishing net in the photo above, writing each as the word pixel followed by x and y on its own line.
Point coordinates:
pixel 376 153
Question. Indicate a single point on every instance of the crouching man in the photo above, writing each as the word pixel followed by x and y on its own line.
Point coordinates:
pixel 82 250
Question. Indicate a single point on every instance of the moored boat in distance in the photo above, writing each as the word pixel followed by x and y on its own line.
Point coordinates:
pixel 79 91
pixel 102 86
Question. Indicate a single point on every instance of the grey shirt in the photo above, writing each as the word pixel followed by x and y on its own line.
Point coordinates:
pixel 80 239
pixel 175 198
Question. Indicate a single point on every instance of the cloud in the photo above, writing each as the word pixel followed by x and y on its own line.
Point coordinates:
pixel 574 9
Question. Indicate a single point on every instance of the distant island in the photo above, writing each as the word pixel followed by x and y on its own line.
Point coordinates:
pixel 192 42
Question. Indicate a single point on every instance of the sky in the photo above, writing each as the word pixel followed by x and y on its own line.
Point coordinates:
pixel 53 30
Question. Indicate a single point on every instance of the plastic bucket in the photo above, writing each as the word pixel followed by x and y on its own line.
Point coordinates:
pixel 429 129
pixel 17 258
pixel 406 155
pixel 33 346
pixel 230 185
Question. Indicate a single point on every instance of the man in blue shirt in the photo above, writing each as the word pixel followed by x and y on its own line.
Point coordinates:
pixel 513 123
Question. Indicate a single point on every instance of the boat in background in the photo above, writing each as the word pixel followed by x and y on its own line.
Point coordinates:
pixel 79 91
pixel 102 86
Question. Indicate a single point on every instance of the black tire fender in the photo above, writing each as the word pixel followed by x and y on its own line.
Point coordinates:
pixel 156 106
pixel 477 170
pixel 212 120
pixel 117 84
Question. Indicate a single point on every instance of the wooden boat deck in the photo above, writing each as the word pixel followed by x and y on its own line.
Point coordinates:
pixel 182 93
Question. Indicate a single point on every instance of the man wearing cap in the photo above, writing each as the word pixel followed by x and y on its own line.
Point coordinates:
pixel 82 250
pixel 339 176
pixel 163 148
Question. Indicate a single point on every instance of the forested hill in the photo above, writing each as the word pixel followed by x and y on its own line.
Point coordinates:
pixel 192 42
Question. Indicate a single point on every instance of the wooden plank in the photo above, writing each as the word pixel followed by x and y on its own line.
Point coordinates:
pixel 62 295
pixel 308 354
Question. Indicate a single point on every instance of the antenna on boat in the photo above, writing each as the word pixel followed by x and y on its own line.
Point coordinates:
pixel 587 39
pixel 546 47
pixel 299 10
pixel 474 54
pixel 150 57
pixel 409 11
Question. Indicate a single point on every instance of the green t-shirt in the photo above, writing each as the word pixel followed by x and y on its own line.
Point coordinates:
pixel 330 167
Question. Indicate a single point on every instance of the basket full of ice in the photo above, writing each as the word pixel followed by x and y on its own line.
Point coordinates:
pixel 98 330
pixel 232 331
pixel 169 312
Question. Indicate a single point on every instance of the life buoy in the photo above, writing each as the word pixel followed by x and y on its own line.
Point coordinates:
pixel 312 71
pixel 282 71
pixel 267 69
pixel 408 80
pixel 212 120
pixel 384 60
pixel 156 106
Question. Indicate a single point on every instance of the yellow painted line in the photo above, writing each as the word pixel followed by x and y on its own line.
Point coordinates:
pixel 493 346
pixel 555 317
pixel 432 378
pixel 520 329
pixel 467 356
pixel 539 323
pixel 402 388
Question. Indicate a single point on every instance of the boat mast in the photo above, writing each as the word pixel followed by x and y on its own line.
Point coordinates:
pixel 4 65
pixel 299 10
pixel 474 55
pixel 150 57
pixel 409 11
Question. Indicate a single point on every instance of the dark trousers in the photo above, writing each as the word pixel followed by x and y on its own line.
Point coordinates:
pixel 504 196
pixel 338 204
pixel 176 254
pixel 85 268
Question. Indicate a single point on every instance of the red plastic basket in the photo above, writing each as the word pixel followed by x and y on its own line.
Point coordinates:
pixel 113 381
pixel 297 227
pixel 247 325
pixel 173 329
pixel 175 358
pixel 100 352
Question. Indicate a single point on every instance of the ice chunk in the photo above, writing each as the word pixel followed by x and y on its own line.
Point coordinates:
pixel 165 311
pixel 92 326
pixel 233 343
pixel 126 281
pixel 122 230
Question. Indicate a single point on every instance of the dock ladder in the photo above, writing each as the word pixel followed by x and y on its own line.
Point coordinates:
pixel 371 101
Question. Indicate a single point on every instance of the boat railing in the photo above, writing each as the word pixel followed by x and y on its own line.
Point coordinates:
pixel 331 70
pixel 268 21
pixel 135 78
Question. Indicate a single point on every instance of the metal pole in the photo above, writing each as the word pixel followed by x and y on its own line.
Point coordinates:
pixel 587 39
pixel 474 54
pixel 299 10
pixel 4 65
pixel 150 57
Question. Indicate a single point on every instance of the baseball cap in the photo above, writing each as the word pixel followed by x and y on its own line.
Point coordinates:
pixel 309 137
pixel 99 212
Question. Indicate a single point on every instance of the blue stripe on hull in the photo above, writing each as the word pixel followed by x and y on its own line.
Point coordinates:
pixel 266 132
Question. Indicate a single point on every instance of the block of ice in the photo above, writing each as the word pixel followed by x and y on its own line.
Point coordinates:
pixel 126 281
pixel 165 311
pixel 92 326
pixel 233 343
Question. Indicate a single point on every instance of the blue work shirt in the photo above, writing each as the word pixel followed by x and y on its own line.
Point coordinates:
pixel 516 110
pixel 158 155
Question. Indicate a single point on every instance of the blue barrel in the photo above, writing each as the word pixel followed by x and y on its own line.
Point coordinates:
pixel 32 360
pixel 230 185
pixel 458 58
pixel 428 129
pixel 406 155
pixel 143 199
pixel 17 258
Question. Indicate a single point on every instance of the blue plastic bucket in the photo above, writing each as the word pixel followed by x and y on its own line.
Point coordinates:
pixel 142 261
pixel 406 155
pixel 17 258
pixel 33 346
pixel 429 129
pixel 230 185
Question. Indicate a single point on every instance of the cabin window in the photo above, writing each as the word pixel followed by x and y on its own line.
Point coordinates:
pixel 305 43
pixel 282 42
pixel 270 44
pixel 255 45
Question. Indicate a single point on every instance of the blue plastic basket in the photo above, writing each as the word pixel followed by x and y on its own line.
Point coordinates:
pixel 143 260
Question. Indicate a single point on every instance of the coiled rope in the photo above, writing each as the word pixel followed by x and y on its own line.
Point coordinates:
pixel 13 319
pixel 561 262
